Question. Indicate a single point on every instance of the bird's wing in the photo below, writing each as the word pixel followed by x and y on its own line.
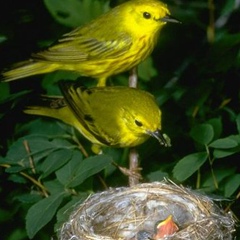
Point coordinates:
pixel 79 48
pixel 75 97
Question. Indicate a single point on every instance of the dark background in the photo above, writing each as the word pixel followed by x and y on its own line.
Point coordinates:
pixel 194 77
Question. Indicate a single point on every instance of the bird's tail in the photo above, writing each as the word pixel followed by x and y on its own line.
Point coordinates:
pixel 53 107
pixel 26 69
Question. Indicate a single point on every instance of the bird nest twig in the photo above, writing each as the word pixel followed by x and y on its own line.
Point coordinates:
pixel 121 213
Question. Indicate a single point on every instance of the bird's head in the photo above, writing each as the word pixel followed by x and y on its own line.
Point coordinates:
pixel 147 16
pixel 144 121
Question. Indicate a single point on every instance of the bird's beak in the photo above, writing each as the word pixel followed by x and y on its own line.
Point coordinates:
pixel 161 137
pixel 169 18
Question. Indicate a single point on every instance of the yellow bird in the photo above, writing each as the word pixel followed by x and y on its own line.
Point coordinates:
pixel 115 42
pixel 115 116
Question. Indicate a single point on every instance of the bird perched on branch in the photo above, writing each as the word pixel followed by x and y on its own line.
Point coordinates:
pixel 115 42
pixel 107 116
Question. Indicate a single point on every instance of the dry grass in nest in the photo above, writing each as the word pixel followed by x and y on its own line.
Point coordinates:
pixel 121 213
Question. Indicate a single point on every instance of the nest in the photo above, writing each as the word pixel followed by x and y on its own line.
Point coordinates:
pixel 125 212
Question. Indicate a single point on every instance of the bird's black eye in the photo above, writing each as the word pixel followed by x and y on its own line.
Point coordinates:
pixel 138 123
pixel 146 15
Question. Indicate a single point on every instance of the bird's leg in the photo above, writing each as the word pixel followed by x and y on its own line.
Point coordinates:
pixel 101 82
pixel 133 78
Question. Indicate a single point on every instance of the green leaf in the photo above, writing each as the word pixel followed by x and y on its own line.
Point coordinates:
pixel 40 144
pixel 54 187
pixel 28 198
pixel 221 153
pixel 65 173
pixel 19 234
pixel 85 169
pixel 157 176
pixel 238 123
pixel 229 6
pixel 17 178
pixel 231 185
pixel 54 161
pixel 45 127
pixel 5 97
pixel 5 215
pixel 2 38
pixel 224 143
pixel 2 160
pixel 189 165
pixel 116 154
pixel 49 80
pixel 64 212
pixel 217 126
pixel 39 147
pixel 16 153
pixel 146 71
pixel 41 213
pixel 89 167
pixel 5 92
pixel 219 174
pixel 73 13
pixel 14 169
pixel 202 133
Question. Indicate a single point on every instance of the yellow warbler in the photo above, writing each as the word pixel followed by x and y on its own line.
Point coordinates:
pixel 115 116
pixel 113 43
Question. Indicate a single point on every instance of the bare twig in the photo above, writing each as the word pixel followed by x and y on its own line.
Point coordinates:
pixel 134 167
pixel 31 162
pixel 133 78
pixel 211 26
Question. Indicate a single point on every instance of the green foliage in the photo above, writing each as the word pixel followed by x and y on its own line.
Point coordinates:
pixel 189 165
pixel 55 168
pixel 204 135
pixel 47 168
pixel 41 213
pixel 75 173
pixel 67 13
